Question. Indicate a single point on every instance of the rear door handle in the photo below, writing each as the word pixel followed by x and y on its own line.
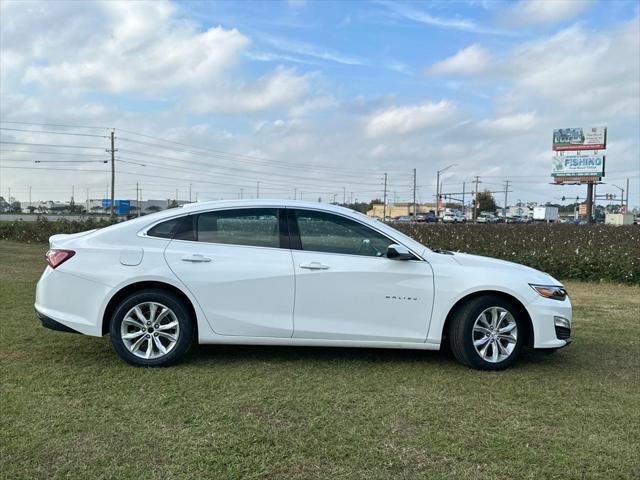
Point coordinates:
pixel 314 266
pixel 195 258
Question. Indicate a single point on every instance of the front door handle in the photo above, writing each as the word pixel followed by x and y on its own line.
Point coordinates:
pixel 195 258
pixel 314 266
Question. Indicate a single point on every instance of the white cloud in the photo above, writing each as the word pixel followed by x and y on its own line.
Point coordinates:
pixel 312 105
pixel 142 48
pixel 470 60
pixel 403 120
pixel 408 12
pixel 544 12
pixel 279 89
pixel 594 73
pixel 309 50
pixel 519 122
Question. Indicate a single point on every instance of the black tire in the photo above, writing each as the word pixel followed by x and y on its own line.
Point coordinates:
pixel 181 314
pixel 461 336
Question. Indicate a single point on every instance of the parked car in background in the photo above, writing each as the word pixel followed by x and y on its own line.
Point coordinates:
pixel 453 217
pixel 403 218
pixel 246 272
pixel 487 218
pixel 431 217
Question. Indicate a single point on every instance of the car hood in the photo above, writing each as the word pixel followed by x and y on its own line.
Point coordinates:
pixel 533 275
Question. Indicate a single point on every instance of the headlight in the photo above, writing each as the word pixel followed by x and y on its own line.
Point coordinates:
pixel 555 292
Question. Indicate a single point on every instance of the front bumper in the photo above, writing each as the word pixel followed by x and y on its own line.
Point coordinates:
pixel 552 322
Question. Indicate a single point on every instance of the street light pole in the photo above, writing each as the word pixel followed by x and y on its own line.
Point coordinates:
pixel 438 187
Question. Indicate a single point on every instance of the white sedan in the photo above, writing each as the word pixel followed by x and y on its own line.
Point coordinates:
pixel 291 273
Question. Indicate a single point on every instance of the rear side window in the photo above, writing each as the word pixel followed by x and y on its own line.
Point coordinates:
pixel 165 229
pixel 257 227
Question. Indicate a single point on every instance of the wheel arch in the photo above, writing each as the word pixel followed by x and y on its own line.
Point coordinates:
pixel 529 335
pixel 131 288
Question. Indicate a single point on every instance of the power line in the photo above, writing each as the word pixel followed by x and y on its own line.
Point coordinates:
pixel 55 125
pixel 52 153
pixel 221 152
pixel 54 133
pixel 51 145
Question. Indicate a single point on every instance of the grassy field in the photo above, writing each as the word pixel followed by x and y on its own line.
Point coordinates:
pixel 71 409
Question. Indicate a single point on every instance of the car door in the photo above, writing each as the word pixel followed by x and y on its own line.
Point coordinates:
pixel 346 287
pixel 232 263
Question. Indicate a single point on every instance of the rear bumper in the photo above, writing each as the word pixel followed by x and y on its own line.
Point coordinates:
pixel 70 301
pixel 51 324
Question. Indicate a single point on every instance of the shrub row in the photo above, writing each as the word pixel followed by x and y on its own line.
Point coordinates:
pixel 41 229
pixel 585 252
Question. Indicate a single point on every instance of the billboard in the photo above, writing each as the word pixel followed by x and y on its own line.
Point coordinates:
pixel 580 138
pixel 573 164
pixel 122 207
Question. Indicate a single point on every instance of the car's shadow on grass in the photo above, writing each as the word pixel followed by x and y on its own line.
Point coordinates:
pixel 203 354
pixel 90 351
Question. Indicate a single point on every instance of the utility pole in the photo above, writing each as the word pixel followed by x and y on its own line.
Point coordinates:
pixel 138 198
pixel 590 202
pixel 475 200
pixel 626 203
pixel 241 193
pixel 258 189
pixel 438 194
pixel 344 195
pixel 464 209
pixel 140 201
pixel 86 208
pixel 87 194
pixel 506 191
pixel 414 194
pixel 384 201
pixel 113 172
pixel 295 193
pixel 189 193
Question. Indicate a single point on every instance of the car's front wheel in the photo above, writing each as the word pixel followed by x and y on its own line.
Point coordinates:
pixel 487 333
pixel 151 328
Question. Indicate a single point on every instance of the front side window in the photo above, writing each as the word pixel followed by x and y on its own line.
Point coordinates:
pixel 257 227
pixel 326 232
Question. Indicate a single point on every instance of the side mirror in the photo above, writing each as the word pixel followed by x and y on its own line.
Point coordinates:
pixel 399 252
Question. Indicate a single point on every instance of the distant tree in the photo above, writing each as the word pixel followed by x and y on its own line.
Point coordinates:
pixel 31 208
pixel 172 204
pixel 15 207
pixel 361 207
pixel 153 208
pixel 487 202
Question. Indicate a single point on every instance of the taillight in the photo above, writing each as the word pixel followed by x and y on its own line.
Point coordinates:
pixel 56 257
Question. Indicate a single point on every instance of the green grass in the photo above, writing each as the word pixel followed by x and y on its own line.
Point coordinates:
pixel 70 408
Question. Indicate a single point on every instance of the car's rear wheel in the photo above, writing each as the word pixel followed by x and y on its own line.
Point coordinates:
pixel 487 333
pixel 151 328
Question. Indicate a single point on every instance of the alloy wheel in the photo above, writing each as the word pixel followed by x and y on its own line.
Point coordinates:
pixel 495 334
pixel 150 330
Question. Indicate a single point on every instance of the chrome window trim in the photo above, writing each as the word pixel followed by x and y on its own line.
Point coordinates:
pixel 143 232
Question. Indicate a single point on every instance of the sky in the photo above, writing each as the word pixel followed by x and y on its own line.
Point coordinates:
pixel 316 100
